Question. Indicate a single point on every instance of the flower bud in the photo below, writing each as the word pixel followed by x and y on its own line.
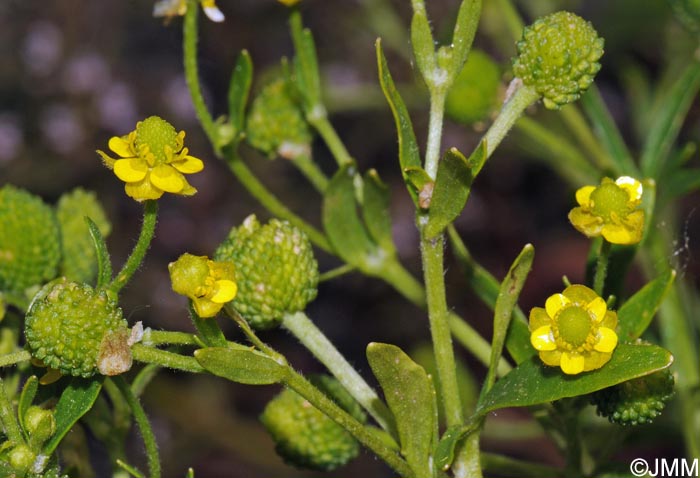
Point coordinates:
pixel 79 261
pixel 636 401
pixel 558 57
pixel 474 93
pixel 276 271
pixel 78 330
pixel 30 241
pixel 304 436
pixel 21 458
pixel 207 283
pixel 40 424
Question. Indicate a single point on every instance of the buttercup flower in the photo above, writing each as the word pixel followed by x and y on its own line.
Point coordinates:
pixel 208 283
pixel 172 8
pixel 152 160
pixel 574 331
pixel 611 210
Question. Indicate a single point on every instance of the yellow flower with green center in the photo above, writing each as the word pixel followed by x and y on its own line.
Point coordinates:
pixel 152 160
pixel 610 210
pixel 574 331
pixel 207 283
pixel 174 8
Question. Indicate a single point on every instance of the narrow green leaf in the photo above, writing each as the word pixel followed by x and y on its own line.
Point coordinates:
pixel 423 43
pixel 104 263
pixel 417 177
pixel 76 400
pixel 342 223
pixel 505 303
pixel 376 199
pixel 532 382
pixel 668 121
pixel 26 398
pixel 452 186
pixel 635 315
pixel 463 34
pixel 411 398
pixel 445 449
pixel 306 64
pixel 238 91
pixel 242 366
pixel 607 132
pixel 409 155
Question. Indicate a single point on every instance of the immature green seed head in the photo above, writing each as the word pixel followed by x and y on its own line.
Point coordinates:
pixel 79 261
pixel 474 93
pixel 304 436
pixel 558 57
pixel 30 241
pixel 275 270
pixel 156 133
pixel 77 330
pixel 276 124
pixel 637 401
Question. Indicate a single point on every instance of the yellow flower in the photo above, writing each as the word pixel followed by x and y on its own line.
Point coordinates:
pixel 172 8
pixel 207 283
pixel 152 160
pixel 574 331
pixel 289 3
pixel 610 210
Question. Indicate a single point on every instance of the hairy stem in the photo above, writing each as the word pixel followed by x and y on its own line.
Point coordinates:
pixel 142 353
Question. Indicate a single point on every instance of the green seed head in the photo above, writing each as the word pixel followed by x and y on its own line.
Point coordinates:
pixel 156 133
pixel 276 271
pixel 637 401
pixel 276 125
pixel 558 57
pixel 474 93
pixel 574 325
pixel 304 436
pixel 77 330
pixel 79 261
pixel 30 241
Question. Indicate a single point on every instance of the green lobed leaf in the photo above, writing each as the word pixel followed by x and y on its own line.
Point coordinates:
pixel 452 185
pixel 26 398
pixel 409 155
pixel 376 200
pixel 423 43
pixel 238 92
pixel 411 398
pixel 104 262
pixel 305 64
pixel 342 223
pixel 245 366
pixel 533 383
pixel 635 315
pixel 76 400
pixel 464 32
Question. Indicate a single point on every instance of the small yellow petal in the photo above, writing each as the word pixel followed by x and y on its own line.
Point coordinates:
pixel 121 146
pixel 571 364
pixel 621 234
pixel 188 165
pixel 585 222
pixel 130 170
pixel 633 187
pixel 167 178
pixel 225 291
pixel 580 294
pixel 555 303
pixel 583 195
pixel 607 340
pixel 539 318
pixel 597 309
pixel 206 308
pixel 610 320
pixel 594 360
pixel 212 11
pixel 543 339
pixel 551 357
pixel 142 190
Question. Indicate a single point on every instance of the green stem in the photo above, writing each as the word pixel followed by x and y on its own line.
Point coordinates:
pixel 573 444
pixel 433 270
pixel 272 204
pixel 432 149
pixel 153 338
pixel 149 439
pixel 312 172
pixel 468 462
pixel 301 327
pixel 507 466
pixel 189 47
pixel 150 214
pixel 14 358
pixel 8 417
pixel 577 124
pixel 363 434
pixel 475 343
pixel 249 332
pixel 330 137
pixel 520 99
pixel 142 353
pixel 512 19
pixel 337 272
pixel 601 268
pixel 403 281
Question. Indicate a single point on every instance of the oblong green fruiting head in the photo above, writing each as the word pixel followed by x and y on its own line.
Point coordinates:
pixel 474 94
pixel 304 436
pixel 275 270
pixel 30 241
pixel 558 56
pixel 77 330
